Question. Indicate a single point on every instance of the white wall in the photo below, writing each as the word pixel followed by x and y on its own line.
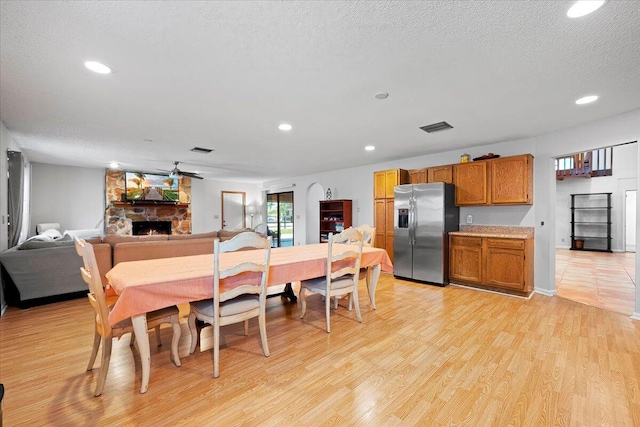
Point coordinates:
pixel 623 178
pixel 206 203
pixel 71 196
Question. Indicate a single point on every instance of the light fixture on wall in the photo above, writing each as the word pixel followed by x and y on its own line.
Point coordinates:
pixel 251 209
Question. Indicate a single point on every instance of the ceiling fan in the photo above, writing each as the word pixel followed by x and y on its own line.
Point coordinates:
pixel 177 173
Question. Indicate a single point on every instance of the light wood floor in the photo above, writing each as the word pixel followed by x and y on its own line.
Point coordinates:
pixel 427 356
pixel 600 279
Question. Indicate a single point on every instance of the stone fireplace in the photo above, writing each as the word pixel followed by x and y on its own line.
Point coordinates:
pixel 143 228
pixel 120 216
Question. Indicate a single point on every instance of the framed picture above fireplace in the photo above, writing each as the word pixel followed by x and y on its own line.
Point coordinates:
pixel 154 188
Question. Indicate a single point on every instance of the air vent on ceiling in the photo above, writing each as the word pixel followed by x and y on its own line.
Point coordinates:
pixel 201 150
pixel 435 127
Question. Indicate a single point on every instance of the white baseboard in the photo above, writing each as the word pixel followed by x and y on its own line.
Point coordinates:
pixel 3 309
pixel 635 316
pixel 545 292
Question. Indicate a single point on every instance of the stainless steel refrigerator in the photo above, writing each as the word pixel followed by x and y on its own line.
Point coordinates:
pixel 424 215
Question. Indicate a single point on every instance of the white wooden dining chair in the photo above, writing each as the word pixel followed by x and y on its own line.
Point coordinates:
pixel 368 239
pixel 342 274
pixel 104 331
pixel 243 302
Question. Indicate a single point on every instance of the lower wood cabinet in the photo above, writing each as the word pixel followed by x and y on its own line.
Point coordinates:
pixel 465 262
pixel 499 264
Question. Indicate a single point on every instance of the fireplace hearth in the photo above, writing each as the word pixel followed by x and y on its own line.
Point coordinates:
pixel 142 228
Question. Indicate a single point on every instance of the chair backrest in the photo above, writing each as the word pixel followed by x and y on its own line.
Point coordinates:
pixel 368 234
pixel 91 276
pixel 346 262
pixel 256 285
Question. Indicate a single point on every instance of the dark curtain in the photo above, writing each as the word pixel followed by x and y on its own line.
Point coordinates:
pixel 16 195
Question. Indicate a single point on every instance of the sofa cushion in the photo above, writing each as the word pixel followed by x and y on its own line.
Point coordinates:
pixel 137 251
pixel 209 235
pixel 113 239
pixel 43 241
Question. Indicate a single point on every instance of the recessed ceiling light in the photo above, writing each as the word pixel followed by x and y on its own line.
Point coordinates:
pixel 586 99
pixel 369 148
pixel 285 126
pixel 382 95
pixel 114 165
pixel 97 67
pixel 584 7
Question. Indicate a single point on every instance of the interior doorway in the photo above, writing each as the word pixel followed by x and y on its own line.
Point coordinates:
pixel 233 215
pixel 280 222
pixel 600 279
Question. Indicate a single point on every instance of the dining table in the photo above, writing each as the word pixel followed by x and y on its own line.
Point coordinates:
pixel 148 285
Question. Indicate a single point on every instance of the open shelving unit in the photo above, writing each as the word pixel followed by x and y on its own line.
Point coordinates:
pixel 591 222
pixel 335 217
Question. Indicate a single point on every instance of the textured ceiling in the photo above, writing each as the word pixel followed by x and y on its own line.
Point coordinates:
pixel 223 75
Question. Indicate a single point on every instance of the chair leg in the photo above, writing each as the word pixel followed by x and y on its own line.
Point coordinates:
pixel 350 301
pixel 246 327
pixel 132 340
pixel 354 296
pixel 158 340
pixel 194 332
pixel 104 366
pixel 335 302
pixel 262 323
pixel 303 301
pixel 216 349
pixel 94 351
pixel 327 307
pixel 177 331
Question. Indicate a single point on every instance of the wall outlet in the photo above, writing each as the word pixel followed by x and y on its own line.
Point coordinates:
pixel 469 219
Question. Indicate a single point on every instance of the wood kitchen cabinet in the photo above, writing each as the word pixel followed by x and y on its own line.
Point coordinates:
pixel 418 176
pixel 472 183
pixel 383 191
pixel 465 260
pixel 498 264
pixel 512 180
pixel 440 174
pixel 500 181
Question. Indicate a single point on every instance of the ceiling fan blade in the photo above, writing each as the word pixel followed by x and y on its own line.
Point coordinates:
pixel 191 175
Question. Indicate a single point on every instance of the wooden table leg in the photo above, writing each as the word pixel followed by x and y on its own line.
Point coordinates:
pixel 374 283
pixel 142 340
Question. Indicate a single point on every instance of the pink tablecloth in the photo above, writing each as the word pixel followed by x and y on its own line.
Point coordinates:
pixel 144 286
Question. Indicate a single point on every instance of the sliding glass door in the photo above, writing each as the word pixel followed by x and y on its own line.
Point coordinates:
pixel 280 218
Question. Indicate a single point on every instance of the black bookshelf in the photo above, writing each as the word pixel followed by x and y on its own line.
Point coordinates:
pixel 591 222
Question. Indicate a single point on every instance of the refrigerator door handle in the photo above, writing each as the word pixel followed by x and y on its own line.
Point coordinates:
pixel 412 221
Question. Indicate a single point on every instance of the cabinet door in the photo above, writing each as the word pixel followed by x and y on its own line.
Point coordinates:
pixel 379 187
pixel 388 235
pixel 418 176
pixel 440 174
pixel 380 222
pixel 391 180
pixel 505 263
pixel 512 180
pixel 465 261
pixel 471 183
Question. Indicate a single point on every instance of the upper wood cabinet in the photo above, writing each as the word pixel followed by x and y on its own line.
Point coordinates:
pixel 440 174
pixel 385 181
pixel 418 176
pixel 472 183
pixel 501 181
pixel 512 180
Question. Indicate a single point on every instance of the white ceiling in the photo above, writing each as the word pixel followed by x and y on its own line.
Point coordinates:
pixel 223 75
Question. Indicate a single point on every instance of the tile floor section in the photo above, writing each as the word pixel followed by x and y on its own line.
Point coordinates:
pixel 600 279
